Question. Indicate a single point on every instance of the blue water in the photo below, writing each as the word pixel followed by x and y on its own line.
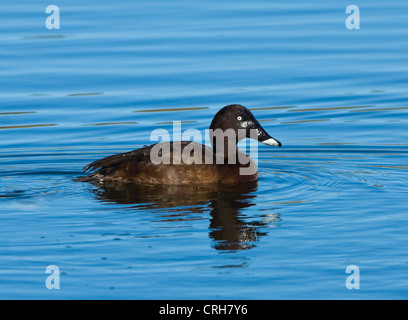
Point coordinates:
pixel 334 195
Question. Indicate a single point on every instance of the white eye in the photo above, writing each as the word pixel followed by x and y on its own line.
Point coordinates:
pixel 239 118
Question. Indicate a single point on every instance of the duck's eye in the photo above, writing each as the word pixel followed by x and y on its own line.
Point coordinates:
pixel 239 118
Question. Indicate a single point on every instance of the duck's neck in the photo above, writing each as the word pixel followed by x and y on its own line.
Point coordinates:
pixel 224 144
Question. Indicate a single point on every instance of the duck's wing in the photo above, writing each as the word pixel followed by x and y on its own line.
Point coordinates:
pixel 141 155
pixel 115 160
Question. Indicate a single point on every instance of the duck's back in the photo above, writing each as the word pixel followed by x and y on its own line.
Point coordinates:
pixel 168 163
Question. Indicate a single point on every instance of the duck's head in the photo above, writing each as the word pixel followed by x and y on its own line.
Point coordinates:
pixel 244 124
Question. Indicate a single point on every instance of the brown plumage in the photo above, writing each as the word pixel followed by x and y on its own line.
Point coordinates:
pixel 201 166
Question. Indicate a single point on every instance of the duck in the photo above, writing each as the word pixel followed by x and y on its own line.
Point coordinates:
pixel 189 162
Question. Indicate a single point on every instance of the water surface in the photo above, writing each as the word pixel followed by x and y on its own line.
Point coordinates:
pixel 334 195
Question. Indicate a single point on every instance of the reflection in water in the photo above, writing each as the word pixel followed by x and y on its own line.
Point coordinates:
pixel 228 228
pixel 28 126
pixel 171 109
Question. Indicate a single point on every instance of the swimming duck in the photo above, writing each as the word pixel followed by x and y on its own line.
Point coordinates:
pixel 188 162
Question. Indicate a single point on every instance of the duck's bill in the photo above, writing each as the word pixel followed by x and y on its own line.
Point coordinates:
pixel 262 135
pixel 265 138
pixel 272 142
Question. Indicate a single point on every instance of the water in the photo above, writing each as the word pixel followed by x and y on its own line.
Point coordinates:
pixel 334 195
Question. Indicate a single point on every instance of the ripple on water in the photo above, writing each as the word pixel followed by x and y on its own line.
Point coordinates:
pixel 302 174
pixel 333 195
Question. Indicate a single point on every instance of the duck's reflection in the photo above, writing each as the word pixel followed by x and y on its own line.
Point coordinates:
pixel 230 228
